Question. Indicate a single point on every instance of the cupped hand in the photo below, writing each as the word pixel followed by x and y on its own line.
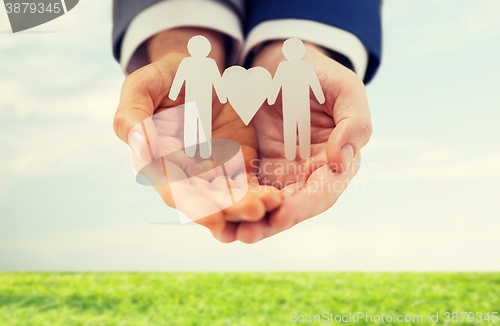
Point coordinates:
pixel 339 129
pixel 145 92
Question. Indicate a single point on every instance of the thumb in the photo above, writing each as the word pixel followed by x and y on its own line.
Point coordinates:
pixel 143 141
pixel 345 142
pixel 351 114
pixel 141 93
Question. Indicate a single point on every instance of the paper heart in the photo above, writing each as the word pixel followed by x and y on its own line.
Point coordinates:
pixel 246 90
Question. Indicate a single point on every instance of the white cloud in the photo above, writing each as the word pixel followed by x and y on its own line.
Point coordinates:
pixel 57 101
pixel 384 144
pixel 484 167
pixel 4 22
pixel 437 156
pixel 305 247
pixel 55 135
pixel 426 159
pixel 438 25
pixel 57 108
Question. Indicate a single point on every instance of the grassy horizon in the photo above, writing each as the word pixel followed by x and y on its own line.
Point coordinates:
pixel 239 298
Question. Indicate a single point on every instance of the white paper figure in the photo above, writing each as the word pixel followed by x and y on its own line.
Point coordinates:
pixel 295 77
pixel 200 74
pixel 246 90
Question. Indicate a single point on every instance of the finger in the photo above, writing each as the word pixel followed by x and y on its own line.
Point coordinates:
pixel 141 94
pixel 143 141
pixel 318 194
pixel 255 231
pixel 215 223
pixel 270 196
pixel 255 201
pixel 182 194
pixel 248 208
pixel 345 142
pixel 226 234
pixel 252 232
pixel 346 95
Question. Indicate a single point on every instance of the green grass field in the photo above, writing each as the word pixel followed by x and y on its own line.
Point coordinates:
pixel 138 299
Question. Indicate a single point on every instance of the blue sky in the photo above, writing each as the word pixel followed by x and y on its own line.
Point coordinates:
pixel 428 199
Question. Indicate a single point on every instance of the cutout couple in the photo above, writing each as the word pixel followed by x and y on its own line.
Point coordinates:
pixel 246 91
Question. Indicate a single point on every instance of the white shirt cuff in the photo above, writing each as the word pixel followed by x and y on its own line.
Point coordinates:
pixel 327 36
pixel 170 14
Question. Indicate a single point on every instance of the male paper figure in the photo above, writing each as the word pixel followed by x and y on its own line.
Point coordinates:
pixel 200 74
pixel 294 77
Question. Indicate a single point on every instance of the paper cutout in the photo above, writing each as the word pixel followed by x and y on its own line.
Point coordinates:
pixel 200 74
pixel 295 77
pixel 246 91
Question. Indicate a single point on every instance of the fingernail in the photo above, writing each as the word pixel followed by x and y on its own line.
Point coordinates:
pixel 136 142
pixel 347 156
pixel 243 217
pixel 259 237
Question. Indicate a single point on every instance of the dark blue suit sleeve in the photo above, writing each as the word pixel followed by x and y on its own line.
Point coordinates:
pixel 125 10
pixel 359 17
pixel 123 13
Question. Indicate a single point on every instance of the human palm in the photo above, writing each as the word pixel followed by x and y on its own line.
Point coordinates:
pixel 206 183
pixel 275 169
pixel 339 129
pixel 144 93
